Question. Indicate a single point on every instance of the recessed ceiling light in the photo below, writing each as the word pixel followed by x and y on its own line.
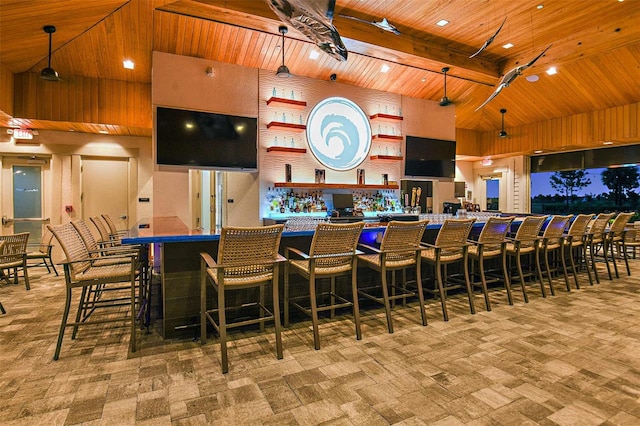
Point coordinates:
pixel 607 143
pixel 538 151
pixel 103 132
pixel 423 79
pixel 552 71
pixel 539 6
pixel 384 68
pixel 128 64
pixel 532 78
pixel 442 22
pixel 508 46
pixel 314 54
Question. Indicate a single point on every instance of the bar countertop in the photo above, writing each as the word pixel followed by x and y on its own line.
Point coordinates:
pixel 170 229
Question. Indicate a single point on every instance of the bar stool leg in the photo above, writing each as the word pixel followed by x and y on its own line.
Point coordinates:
pixel 276 312
pixel 314 310
pixel 483 281
pixel 356 304
pixel 505 274
pixel 385 296
pixel 537 256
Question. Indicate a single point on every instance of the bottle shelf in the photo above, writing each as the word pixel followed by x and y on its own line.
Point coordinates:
pixel 289 126
pixel 286 149
pixel 332 185
pixel 389 117
pixel 285 101
pixel 385 157
pixel 394 138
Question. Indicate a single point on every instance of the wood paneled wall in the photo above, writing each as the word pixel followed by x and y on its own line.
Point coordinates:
pixel 84 100
pixel 6 90
pixel 620 125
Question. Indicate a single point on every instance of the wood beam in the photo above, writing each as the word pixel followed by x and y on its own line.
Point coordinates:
pixel 420 52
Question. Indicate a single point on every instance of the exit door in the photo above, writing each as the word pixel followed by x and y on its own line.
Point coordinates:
pixel 105 189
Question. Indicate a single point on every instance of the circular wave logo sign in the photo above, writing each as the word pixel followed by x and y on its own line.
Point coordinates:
pixel 339 133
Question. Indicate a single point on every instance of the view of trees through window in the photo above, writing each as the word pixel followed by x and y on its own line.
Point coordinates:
pixel 586 191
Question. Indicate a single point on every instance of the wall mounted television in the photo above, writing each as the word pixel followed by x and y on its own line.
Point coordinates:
pixel 205 140
pixel 425 157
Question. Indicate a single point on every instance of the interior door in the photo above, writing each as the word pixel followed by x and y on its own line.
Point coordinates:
pixel 105 189
pixel 23 196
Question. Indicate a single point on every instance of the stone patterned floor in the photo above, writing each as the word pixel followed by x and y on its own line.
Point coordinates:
pixel 572 359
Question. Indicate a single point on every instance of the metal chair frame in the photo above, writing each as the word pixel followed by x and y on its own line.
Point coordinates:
pixel 399 250
pixel 332 255
pixel 247 259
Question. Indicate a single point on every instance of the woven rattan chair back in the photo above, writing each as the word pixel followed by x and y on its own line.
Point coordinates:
pixel 73 247
pixel 599 225
pixel 556 226
pixel 579 225
pixel 453 235
pixel 110 224
pixel 244 245
pixel 530 228
pixel 100 225
pixel 620 222
pixel 402 235
pixel 331 239
pixel 15 248
pixel 86 235
pixel 495 230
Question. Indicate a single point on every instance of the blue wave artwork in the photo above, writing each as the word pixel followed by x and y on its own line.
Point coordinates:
pixel 340 141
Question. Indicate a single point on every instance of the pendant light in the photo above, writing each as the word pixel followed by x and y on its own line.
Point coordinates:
pixel 503 133
pixel 283 71
pixel 445 101
pixel 49 73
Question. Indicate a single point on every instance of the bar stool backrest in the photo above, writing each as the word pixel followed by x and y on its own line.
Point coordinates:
pixel 530 228
pixel 333 239
pixel 453 235
pixel 253 249
pixel 86 235
pixel 495 230
pixel 73 247
pixel 110 224
pixel 600 224
pixel 620 222
pixel 15 247
pixel 579 224
pixel 402 235
pixel 556 226
pixel 100 225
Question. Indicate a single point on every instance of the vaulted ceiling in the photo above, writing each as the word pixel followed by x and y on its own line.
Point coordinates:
pixel 595 47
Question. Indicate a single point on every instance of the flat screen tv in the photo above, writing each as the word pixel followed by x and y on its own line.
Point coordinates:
pixel 430 157
pixel 197 139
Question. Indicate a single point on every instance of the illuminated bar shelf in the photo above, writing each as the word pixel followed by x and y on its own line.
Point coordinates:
pixel 289 126
pixel 388 117
pixel 393 138
pixel 285 101
pixel 385 157
pixel 286 149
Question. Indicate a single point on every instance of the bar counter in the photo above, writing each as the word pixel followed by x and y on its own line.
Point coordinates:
pixel 176 250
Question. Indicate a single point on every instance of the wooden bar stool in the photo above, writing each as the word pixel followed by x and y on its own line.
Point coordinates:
pixel 552 244
pixel 492 245
pixel 247 259
pixel 576 238
pixel 596 241
pixel 332 254
pixel 450 247
pixel 615 236
pixel 525 244
pixel 399 250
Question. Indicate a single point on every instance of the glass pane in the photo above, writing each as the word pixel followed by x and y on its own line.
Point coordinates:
pixel 27 201
pixel 27 194
pixel 493 194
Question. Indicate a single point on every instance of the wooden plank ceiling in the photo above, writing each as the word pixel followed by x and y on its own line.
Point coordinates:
pixel 595 48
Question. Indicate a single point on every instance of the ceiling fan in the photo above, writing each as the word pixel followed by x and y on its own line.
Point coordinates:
pixel 503 133
pixel 49 73
pixel 283 71
pixel 445 101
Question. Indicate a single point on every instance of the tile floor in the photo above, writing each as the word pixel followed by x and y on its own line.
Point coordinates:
pixel 572 359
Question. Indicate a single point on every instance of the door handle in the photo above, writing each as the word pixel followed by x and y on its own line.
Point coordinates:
pixel 6 220
pixel 124 216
